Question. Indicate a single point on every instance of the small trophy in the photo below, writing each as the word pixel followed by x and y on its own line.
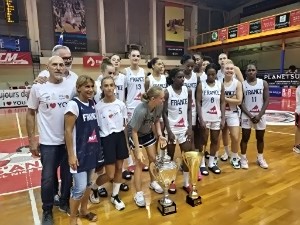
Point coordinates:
pixel 165 171
pixel 192 160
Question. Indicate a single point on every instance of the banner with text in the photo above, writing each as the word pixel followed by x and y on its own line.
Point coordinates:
pixel 281 79
pixel 13 98
pixel 69 19
pixel 174 29
pixel 15 58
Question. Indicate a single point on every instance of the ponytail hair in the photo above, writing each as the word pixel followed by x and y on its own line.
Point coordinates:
pixel 103 79
pixel 152 62
pixel 152 92
pixel 105 62
pixel 186 57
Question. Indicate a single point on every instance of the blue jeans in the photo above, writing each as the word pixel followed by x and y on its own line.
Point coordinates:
pixel 82 181
pixel 53 156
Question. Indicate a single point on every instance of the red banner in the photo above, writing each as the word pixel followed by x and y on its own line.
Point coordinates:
pixel 92 61
pixel 15 58
pixel 223 34
pixel 268 23
pixel 243 29
pixel 295 18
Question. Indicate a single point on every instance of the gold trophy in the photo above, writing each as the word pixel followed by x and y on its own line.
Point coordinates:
pixel 165 171
pixel 192 160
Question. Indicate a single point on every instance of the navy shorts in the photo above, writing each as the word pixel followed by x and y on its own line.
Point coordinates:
pixel 144 141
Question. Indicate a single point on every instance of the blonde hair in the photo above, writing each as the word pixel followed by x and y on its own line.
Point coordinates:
pixel 229 61
pixel 153 92
pixel 83 80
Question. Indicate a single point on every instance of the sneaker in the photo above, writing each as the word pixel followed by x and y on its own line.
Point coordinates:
pixel 126 175
pixel 94 197
pixel 172 188
pixel 235 163
pixel 262 163
pixel 156 187
pixel 119 205
pixel 224 157
pixel 131 169
pixel 296 149
pixel 47 218
pixel 102 192
pixel 244 164
pixel 65 209
pixel 139 199
pixel 56 200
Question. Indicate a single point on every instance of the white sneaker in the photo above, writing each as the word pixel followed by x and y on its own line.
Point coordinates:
pixel 296 149
pixel 139 199
pixel 224 157
pixel 244 163
pixel 119 205
pixel 156 187
pixel 94 197
pixel 262 163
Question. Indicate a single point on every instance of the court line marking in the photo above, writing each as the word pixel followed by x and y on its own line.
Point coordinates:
pixel 35 213
pixel 276 132
pixel 19 191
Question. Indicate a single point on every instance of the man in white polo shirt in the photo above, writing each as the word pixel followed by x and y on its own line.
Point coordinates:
pixel 49 100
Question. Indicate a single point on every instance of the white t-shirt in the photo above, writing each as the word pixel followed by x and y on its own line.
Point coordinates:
pixel 97 96
pixel 110 116
pixel 50 100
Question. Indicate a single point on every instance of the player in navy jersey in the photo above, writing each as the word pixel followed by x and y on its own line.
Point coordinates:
pixel 83 146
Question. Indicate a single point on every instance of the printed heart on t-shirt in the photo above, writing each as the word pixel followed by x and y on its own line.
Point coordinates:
pixel 52 105
pixel 8 103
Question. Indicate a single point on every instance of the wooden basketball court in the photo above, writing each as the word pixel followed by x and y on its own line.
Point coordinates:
pixel 254 196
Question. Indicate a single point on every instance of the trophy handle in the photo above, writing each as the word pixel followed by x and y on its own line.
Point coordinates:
pixel 153 171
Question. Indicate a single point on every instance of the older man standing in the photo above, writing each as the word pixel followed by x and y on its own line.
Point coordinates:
pixel 49 100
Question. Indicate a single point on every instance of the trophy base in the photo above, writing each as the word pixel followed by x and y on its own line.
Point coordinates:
pixel 193 202
pixel 166 210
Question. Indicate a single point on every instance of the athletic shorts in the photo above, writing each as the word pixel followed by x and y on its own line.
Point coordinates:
pixel 144 141
pixel 247 123
pixel 213 125
pixel 232 120
pixel 180 138
pixel 114 147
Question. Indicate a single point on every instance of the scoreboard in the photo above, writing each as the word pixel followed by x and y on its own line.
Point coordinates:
pixel 11 11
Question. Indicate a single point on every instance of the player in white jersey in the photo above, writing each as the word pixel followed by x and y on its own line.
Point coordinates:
pixel 120 78
pixel 177 115
pixel 233 98
pixel 211 113
pixel 198 68
pixel 220 75
pixel 254 105
pixel 156 78
pixel 296 147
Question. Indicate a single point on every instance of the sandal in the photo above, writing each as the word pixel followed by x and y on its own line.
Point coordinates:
pixel 90 217
pixel 102 192
pixel 126 175
pixel 215 169
pixel 124 187
pixel 204 171
pixel 206 154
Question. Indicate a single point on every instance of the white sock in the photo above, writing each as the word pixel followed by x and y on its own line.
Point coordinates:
pixel 186 179
pixel 260 156
pixel 95 186
pixel 116 188
pixel 226 148
pixel 202 162
pixel 211 161
pixel 234 155
pixel 243 156
pixel 130 161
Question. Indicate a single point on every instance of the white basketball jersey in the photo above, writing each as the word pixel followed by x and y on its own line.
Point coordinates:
pixel 229 92
pixel 220 76
pixel 192 84
pixel 135 87
pixel 177 110
pixel 253 96
pixel 211 111
pixel 203 77
pixel 120 81
pixel 162 82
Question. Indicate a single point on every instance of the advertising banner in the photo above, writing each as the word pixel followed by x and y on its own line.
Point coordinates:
pixel 282 21
pixel 223 34
pixel 295 18
pixel 268 23
pixel 69 20
pixel 232 32
pixel 281 79
pixel 92 61
pixel 174 29
pixel 14 43
pixel 243 29
pixel 15 58
pixel 13 98
pixel 255 27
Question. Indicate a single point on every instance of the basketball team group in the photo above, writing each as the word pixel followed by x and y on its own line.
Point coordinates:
pixel 87 128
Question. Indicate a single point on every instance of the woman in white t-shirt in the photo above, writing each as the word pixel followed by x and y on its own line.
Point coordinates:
pixel 111 115
pixel 83 146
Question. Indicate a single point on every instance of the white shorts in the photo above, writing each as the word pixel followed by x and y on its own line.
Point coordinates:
pixel 232 120
pixel 180 138
pixel 247 123
pixel 213 125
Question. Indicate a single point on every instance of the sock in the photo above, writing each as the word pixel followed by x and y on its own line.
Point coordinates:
pixel 130 161
pixel 186 179
pixel 211 161
pixel 234 155
pixel 116 189
pixel 95 186
pixel 226 148
pixel 260 156
pixel 243 156
pixel 202 162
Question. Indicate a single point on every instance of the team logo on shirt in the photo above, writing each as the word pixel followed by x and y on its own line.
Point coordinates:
pixel 93 138
pixel 53 105
pixel 138 97
pixel 180 123
pixel 213 110
pixel 255 109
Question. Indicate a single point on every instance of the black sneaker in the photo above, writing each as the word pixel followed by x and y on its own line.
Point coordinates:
pixel 56 200
pixel 65 208
pixel 47 218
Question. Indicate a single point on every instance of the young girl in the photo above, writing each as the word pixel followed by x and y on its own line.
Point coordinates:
pixel 177 117
pixel 111 115
pixel 211 112
pixel 140 128
pixel 233 98
pixel 83 146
